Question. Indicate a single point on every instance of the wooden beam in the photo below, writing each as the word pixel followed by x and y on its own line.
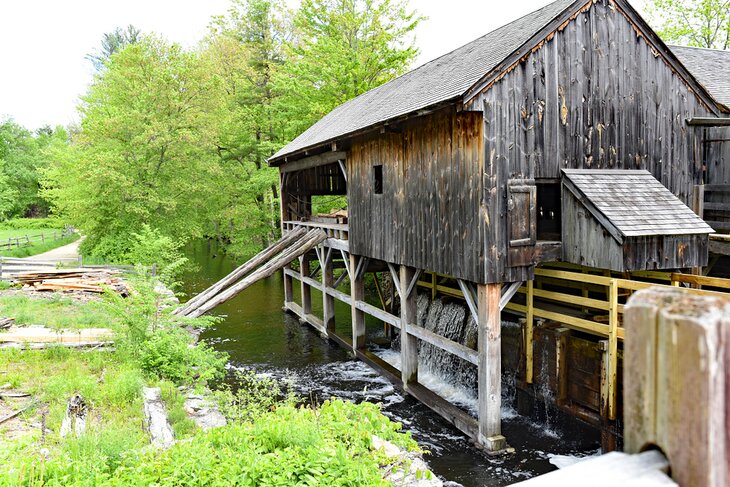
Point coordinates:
pixel 508 294
pixel 378 313
pixel 328 301
pixel 408 318
pixel 342 167
pixel 439 341
pixel 470 297
pixel 304 287
pixel 529 322
pixel 490 367
pixel 708 122
pixel 396 278
pixel 357 293
pixel 312 161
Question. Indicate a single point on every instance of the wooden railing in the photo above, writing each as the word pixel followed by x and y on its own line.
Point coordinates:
pixel 20 241
pixel 584 301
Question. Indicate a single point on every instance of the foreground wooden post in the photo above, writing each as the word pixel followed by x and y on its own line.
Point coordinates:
pixel 529 323
pixel 305 288
pixel 328 302
pixel 490 367
pixel 677 382
pixel 408 317
pixel 357 293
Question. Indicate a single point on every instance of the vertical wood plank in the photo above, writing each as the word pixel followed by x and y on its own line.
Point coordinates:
pixel 529 323
pixel 408 315
pixel 357 292
pixel 304 268
pixel 328 302
pixel 490 367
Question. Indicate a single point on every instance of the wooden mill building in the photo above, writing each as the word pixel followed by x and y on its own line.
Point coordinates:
pixel 573 135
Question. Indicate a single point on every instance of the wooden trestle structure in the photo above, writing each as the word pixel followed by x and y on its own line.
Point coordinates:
pixel 572 136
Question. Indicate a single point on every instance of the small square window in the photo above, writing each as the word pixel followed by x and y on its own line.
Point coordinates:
pixel 378 179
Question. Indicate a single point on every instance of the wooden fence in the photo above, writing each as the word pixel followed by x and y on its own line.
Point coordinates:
pixel 590 301
pixel 20 241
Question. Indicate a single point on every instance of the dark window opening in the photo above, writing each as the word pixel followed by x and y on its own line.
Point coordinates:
pixel 548 211
pixel 378 179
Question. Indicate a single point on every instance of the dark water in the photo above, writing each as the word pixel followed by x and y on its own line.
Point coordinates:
pixel 258 335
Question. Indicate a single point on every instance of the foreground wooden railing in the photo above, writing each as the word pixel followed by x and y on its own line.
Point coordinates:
pixel 603 293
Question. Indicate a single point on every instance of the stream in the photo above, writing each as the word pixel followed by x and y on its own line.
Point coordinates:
pixel 259 336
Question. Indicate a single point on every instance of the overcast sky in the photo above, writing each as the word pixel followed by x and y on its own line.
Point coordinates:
pixel 43 43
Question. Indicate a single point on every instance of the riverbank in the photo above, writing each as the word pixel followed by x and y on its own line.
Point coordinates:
pixel 331 444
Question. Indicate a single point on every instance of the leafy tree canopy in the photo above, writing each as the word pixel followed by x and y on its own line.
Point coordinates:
pixel 697 23
pixel 112 42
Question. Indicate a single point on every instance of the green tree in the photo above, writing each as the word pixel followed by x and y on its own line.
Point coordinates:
pixel 112 42
pixel 245 49
pixel 24 156
pixel 697 23
pixel 341 49
pixel 144 153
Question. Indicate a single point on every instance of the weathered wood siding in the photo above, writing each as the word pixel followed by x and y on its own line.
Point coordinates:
pixel 587 243
pixel 594 95
pixel 428 214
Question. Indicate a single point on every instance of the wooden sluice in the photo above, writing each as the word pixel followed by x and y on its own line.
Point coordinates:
pixel 289 248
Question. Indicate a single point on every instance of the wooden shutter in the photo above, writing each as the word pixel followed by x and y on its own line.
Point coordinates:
pixel 521 221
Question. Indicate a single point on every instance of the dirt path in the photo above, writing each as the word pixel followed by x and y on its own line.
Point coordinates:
pixel 64 253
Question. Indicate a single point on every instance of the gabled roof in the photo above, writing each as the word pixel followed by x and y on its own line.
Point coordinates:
pixel 445 78
pixel 451 76
pixel 711 67
pixel 632 203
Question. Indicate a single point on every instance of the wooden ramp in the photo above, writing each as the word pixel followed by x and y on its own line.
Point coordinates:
pixel 292 245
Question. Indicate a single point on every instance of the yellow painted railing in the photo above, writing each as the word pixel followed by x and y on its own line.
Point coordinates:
pixel 585 280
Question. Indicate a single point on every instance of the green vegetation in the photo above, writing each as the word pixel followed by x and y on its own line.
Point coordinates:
pixel 173 142
pixel 270 438
pixel 697 23
pixel 30 228
pixel 56 311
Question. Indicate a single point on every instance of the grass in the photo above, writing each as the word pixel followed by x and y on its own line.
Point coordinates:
pixel 56 312
pixel 40 247
pixel 270 438
pixel 30 227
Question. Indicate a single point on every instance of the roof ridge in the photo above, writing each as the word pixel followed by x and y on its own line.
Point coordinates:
pixel 672 46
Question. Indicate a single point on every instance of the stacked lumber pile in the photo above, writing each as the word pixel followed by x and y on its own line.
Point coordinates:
pixel 73 280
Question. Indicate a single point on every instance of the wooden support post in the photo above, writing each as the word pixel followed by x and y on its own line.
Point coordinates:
pixel 288 288
pixel 357 293
pixel 408 318
pixel 612 347
pixel 561 357
pixel 490 367
pixel 529 323
pixel 328 301
pixel 434 284
pixel 306 289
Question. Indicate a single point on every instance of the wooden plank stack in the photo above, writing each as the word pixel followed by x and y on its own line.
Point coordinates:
pixel 73 280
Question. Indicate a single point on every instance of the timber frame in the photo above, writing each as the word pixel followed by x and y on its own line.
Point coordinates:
pixel 478 192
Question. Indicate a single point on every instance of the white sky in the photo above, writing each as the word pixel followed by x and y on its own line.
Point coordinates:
pixel 43 43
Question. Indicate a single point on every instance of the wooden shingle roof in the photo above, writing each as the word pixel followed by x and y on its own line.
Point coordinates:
pixel 632 203
pixel 711 67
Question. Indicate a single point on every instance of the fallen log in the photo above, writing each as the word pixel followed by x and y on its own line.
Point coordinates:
pixel 308 242
pixel 241 271
pixel 6 323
